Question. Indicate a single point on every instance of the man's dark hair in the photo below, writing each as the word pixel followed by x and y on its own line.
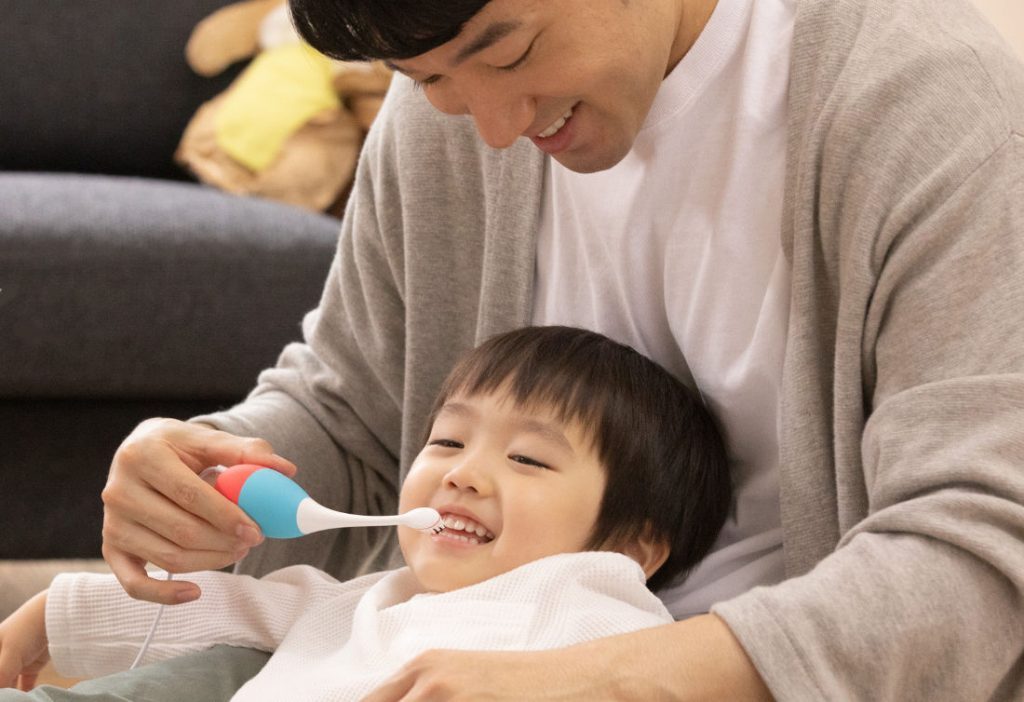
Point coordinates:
pixel 360 30
pixel 667 473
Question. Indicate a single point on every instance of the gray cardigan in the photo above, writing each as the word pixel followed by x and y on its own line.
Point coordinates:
pixel 902 467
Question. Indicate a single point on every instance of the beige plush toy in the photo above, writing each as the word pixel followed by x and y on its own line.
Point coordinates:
pixel 289 128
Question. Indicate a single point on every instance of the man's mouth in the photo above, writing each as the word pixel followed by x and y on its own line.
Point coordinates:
pixel 462 528
pixel 556 125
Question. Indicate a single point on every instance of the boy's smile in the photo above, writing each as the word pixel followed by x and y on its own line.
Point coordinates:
pixel 464 528
pixel 512 484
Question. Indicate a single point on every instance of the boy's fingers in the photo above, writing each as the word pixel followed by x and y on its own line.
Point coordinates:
pixel 10 666
pixel 27 681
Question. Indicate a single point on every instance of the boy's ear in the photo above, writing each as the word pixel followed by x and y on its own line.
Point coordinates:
pixel 649 552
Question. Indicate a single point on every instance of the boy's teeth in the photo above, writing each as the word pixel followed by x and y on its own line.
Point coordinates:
pixel 553 129
pixel 467 525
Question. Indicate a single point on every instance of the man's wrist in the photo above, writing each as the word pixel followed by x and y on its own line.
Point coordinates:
pixel 694 659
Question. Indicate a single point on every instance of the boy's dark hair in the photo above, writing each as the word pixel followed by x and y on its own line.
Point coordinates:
pixel 667 473
pixel 359 30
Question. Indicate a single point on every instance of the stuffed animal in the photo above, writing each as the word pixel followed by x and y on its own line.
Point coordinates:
pixel 290 127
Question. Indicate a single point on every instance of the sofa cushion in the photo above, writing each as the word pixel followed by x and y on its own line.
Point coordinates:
pixel 130 288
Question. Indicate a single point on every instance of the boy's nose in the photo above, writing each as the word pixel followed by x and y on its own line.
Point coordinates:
pixel 469 476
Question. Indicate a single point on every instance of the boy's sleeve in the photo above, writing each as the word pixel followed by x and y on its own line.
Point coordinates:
pixel 94 628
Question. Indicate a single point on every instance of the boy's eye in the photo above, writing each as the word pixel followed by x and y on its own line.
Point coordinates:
pixel 445 443
pixel 527 461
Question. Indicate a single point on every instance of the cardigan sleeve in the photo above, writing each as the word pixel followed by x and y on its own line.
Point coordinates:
pixel 921 598
pixel 95 629
pixel 333 403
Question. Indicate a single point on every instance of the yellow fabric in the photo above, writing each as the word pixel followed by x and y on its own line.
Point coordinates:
pixel 278 93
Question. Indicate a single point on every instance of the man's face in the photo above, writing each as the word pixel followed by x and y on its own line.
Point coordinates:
pixel 512 487
pixel 577 77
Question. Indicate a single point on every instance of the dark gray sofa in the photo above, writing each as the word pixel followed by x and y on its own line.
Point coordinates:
pixel 125 291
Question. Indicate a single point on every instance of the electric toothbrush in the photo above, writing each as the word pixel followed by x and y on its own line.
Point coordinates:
pixel 283 510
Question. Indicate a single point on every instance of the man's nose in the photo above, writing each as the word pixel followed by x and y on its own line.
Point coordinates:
pixel 501 122
pixel 501 116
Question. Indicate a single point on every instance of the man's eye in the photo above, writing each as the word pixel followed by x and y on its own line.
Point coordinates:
pixel 445 443
pixel 527 461
pixel 519 61
pixel 429 80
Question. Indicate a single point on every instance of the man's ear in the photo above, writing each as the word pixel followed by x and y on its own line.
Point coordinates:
pixel 649 552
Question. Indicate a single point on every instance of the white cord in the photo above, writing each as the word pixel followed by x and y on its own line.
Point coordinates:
pixel 149 636
pixel 209 475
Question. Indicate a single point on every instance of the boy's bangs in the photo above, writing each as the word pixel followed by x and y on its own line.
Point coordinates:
pixel 575 379
pixel 359 30
pixel 566 395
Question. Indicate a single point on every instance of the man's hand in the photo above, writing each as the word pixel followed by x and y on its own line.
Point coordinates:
pixel 157 509
pixel 23 651
pixel 696 659
pixel 485 675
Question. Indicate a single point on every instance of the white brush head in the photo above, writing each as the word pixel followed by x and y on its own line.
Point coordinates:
pixel 422 519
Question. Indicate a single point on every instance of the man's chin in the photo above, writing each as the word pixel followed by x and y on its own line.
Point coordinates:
pixel 586 160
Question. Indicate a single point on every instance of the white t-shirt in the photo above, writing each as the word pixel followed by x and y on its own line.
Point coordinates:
pixel 677 252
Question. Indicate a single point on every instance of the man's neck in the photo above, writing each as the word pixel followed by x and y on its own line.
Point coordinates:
pixel 694 16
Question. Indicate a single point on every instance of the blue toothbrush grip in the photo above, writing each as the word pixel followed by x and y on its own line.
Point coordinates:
pixel 272 500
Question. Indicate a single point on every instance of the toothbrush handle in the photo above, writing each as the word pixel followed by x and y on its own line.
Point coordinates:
pixel 312 517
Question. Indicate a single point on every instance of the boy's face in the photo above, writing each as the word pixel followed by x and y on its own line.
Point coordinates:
pixel 519 66
pixel 511 485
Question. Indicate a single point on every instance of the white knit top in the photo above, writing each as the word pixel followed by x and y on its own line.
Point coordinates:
pixel 339 640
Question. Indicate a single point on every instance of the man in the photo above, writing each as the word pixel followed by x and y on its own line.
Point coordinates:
pixel 811 209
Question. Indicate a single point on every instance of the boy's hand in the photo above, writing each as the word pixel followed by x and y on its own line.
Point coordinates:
pixel 23 645
pixel 157 509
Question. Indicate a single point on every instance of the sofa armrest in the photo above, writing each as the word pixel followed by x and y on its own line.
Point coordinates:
pixel 132 288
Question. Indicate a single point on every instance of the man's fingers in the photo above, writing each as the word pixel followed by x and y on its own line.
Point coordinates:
pixel 175 503
pixel 132 575
pixel 198 448
pixel 148 546
pixel 393 689
pixel 158 510
pixel 188 492
pixel 147 506
pixel 229 450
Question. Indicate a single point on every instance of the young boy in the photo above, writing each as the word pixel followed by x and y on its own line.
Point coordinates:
pixel 572 474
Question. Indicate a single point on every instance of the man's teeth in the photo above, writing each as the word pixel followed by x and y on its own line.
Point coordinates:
pixel 553 129
pixel 467 525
